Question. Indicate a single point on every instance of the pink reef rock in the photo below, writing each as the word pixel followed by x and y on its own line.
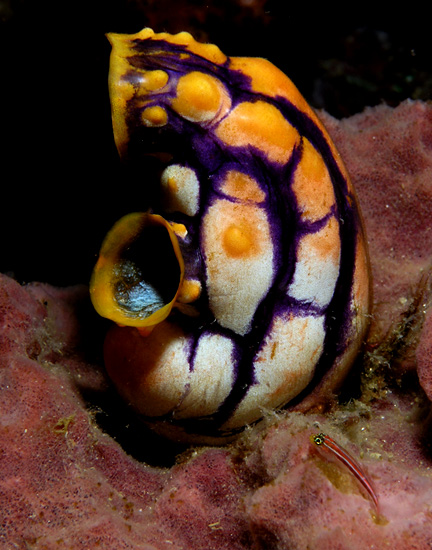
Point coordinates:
pixel 424 355
pixel 388 155
pixel 77 471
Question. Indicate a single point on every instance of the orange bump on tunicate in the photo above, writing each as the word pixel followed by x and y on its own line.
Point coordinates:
pixel 182 37
pixel 212 53
pixel 312 184
pixel 199 97
pixel 240 186
pixel 260 125
pixel 190 291
pixel 238 240
pixel 154 116
pixel 151 81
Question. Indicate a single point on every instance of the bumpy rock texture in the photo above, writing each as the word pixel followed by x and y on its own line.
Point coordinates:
pixel 78 471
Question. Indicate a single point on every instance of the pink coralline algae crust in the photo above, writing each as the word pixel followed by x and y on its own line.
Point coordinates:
pixel 65 483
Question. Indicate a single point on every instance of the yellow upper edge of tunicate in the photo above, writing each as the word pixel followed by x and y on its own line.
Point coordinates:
pixel 208 51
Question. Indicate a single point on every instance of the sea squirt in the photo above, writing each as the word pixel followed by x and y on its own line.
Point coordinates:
pixel 243 284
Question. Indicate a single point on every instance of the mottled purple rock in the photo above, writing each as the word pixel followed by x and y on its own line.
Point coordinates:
pixel 65 483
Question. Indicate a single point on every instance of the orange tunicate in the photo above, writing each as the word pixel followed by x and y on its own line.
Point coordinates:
pixel 244 285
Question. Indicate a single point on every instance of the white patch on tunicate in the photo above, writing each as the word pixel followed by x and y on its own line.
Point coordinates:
pixel 317 266
pixel 163 357
pixel 180 189
pixel 239 261
pixel 283 367
pixel 211 379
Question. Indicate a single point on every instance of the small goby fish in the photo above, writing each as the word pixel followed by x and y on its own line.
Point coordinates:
pixel 324 440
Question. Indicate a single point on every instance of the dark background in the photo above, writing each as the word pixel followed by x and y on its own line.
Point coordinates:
pixel 62 185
